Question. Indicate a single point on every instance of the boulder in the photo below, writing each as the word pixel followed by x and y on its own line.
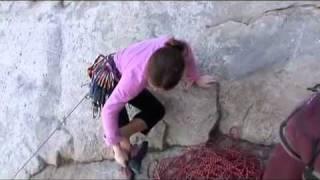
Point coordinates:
pixel 190 114
pixel 266 67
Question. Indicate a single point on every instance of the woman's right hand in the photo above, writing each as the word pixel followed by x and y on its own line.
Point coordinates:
pixel 120 155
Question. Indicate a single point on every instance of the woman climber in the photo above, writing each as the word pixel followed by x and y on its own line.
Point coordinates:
pixel 157 63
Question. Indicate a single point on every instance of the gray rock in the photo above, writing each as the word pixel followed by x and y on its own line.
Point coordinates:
pixel 24 87
pixel 87 133
pixel 267 66
pixel 105 169
pixel 95 170
pixel 137 138
pixel 190 115
pixel 58 149
pixel 156 136
pixel 46 48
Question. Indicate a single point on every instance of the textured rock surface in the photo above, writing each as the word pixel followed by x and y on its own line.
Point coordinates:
pixel 268 70
pixel 110 170
pixel 156 136
pixel 103 170
pixel 96 170
pixel 190 115
pixel 265 51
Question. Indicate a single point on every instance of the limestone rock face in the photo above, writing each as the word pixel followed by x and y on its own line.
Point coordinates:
pixel 264 53
pixel 190 115
pixel 268 66
pixel 105 169
pixel 95 170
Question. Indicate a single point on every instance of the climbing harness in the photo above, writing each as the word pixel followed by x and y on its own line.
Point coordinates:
pixel 104 77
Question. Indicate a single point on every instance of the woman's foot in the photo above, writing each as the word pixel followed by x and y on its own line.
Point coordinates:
pixel 120 155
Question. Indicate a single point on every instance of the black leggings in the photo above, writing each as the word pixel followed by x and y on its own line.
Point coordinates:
pixel 152 111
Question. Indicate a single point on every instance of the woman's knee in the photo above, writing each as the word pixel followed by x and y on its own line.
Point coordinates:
pixel 151 116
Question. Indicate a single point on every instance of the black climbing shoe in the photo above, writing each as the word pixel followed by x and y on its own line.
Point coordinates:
pixel 135 161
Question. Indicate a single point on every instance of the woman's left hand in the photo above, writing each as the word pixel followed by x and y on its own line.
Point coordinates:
pixel 205 81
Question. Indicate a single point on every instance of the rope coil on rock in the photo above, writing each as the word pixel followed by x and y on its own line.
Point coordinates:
pixel 206 161
pixel 209 163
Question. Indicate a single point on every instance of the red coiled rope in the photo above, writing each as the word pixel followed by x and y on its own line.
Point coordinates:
pixel 210 163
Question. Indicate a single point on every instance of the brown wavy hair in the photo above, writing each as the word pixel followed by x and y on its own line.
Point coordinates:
pixel 166 65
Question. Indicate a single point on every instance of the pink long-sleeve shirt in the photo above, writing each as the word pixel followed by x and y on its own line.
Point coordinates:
pixel 131 63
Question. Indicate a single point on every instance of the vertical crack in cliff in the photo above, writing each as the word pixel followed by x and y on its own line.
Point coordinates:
pixel 246 115
pixel 215 131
